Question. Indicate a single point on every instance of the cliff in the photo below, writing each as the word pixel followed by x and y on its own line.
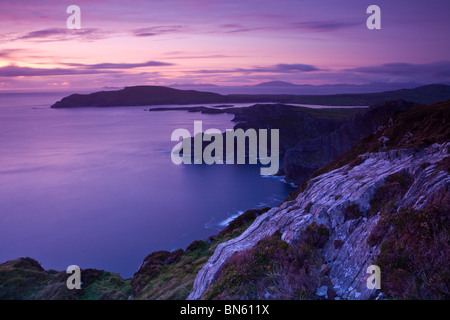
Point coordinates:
pixel 309 138
pixel 308 155
pixel 390 208
pixel 384 202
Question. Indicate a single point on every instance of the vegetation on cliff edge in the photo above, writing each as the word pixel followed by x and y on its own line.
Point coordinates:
pixel 273 269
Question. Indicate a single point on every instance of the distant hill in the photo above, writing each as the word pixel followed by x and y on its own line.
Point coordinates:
pixel 284 87
pixel 138 96
pixel 423 95
pixel 276 84
pixel 191 85
pixel 155 95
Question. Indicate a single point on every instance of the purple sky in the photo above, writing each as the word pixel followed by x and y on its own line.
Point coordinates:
pixel 124 43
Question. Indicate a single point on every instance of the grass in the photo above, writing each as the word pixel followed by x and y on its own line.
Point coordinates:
pixel 444 164
pixel 414 244
pixel 25 279
pixel 273 269
pixel 414 256
pixel 163 279
pixel 386 196
pixel 109 286
pixel 352 212
pixel 163 275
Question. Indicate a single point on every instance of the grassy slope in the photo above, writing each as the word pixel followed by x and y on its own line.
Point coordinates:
pixel 273 269
pixel 163 275
pixel 25 279
pixel 415 248
pixel 167 275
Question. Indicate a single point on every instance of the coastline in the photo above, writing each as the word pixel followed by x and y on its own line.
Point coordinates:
pixel 107 285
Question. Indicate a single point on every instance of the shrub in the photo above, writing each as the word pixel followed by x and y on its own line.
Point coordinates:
pixel 170 275
pixel 315 235
pixel 242 221
pixel 414 256
pixel 308 206
pixel 352 212
pixel 386 196
pixel 337 243
pixel 444 164
pixel 273 269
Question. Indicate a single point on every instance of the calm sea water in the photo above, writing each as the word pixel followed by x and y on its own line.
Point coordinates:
pixel 97 188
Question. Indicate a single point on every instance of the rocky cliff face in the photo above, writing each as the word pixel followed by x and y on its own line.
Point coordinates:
pixel 310 138
pixel 327 200
pixel 309 154
pixel 366 205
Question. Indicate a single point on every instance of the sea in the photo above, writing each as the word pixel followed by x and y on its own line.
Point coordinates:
pixel 96 187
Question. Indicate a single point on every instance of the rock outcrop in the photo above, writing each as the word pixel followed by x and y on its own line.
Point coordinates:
pixel 331 195
pixel 408 171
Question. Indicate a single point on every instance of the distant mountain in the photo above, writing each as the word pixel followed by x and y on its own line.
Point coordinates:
pixel 191 85
pixel 111 88
pixel 154 95
pixel 424 95
pixel 276 84
pixel 283 87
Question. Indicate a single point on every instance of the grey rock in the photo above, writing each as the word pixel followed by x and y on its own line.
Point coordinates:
pixel 322 292
pixel 356 185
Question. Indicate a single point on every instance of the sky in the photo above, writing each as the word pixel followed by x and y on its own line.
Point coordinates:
pixel 227 43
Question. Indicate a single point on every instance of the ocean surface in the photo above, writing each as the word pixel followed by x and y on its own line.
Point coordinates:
pixel 96 187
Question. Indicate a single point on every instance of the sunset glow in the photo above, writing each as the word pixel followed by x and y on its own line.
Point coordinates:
pixel 221 42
